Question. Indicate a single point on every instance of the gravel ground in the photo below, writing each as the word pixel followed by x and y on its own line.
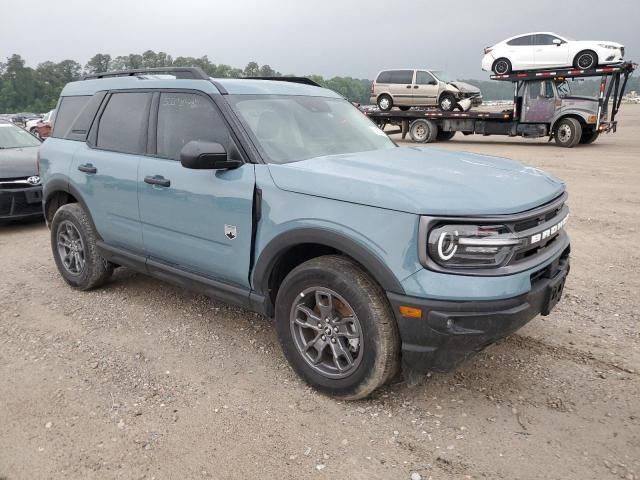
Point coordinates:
pixel 143 380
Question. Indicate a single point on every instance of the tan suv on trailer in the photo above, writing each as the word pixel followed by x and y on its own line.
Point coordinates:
pixel 408 88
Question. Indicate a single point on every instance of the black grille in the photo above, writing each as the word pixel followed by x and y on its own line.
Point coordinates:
pixel 17 202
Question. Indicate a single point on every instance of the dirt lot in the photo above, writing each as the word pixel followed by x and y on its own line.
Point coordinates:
pixel 144 380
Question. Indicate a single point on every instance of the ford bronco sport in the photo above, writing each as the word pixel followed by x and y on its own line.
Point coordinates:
pixel 281 197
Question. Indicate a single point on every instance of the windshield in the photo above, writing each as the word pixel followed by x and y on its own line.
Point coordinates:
pixel 563 89
pixel 292 128
pixel 443 76
pixel 14 137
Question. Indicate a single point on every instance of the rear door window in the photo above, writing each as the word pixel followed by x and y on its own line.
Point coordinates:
pixel 123 124
pixel 68 111
pixel 523 41
pixel 402 76
pixel 183 117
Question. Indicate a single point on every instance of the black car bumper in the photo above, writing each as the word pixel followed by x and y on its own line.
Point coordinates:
pixel 451 332
pixel 19 203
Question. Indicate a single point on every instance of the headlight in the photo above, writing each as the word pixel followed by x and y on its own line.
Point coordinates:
pixel 610 47
pixel 471 246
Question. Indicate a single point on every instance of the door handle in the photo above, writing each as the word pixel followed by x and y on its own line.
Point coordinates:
pixel 87 168
pixel 408 86
pixel 415 86
pixel 157 180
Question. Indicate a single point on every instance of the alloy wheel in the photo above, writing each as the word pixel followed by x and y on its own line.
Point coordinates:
pixel 71 248
pixel 326 332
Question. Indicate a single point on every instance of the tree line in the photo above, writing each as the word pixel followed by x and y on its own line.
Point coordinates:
pixel 27 89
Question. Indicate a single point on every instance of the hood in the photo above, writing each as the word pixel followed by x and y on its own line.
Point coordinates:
pixel 18 162
pixel 589 43
pixel 421 180
pixel 465 87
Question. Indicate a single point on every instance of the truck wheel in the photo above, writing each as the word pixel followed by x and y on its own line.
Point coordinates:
pixel 589 137
pixel 568 132
pixel 336 327
pixel 423 131
pixel 585 60
pixel 501 66
pixel 73 242
pixel 447 102
pixel 443 136
pixel 385 103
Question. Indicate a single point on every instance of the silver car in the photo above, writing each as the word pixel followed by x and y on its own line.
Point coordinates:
pixel 408 88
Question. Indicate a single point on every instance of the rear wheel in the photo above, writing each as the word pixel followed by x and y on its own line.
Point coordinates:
pixel 568 132
pixel 589 136
pixel 501 66
pixel 443 136
pixel 73 242
pixel 336 327
pixel 423 131
pixel 404 108
pixel 385 103
pixel 585 60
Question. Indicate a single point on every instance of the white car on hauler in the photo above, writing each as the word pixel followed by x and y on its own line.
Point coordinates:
pixel 549 50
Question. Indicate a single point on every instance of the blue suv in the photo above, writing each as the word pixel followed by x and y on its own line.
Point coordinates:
pixel 281 197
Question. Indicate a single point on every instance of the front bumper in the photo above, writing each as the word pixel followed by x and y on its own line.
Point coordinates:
pixel 19 203
pixel 450 332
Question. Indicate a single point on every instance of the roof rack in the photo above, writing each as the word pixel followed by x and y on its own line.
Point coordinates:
pixel 195 73
pixel 303 80
pixel 623 67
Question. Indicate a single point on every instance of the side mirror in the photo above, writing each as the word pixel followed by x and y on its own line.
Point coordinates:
pixel 200 155
pixel 433 82
pixel 557 42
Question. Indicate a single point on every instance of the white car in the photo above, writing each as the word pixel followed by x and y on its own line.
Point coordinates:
pixel 549 50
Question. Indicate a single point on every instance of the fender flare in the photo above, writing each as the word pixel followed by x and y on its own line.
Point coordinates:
pixel 59 185
pixel 278 245
pixel 577 115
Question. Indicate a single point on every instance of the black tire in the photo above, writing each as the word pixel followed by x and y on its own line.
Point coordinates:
pixel 585 60
pixel 589 136
pixel 94 270
pixel 385 102
pixel 447 102
pixel 567 132
pixel 502 66
pixel 443 136
pixel 423 131
pixel 404 108
pixel 377 357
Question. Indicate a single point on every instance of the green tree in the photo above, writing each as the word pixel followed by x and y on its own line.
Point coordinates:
pixel 99 63
pixel 251 70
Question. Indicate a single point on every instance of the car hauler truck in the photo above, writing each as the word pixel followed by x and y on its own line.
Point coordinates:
pixel 542 106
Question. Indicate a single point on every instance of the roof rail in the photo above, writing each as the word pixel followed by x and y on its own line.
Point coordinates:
pixel 303 80
pixel 195 73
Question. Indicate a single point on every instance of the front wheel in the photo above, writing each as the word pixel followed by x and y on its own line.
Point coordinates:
pixel 423 131
pixel 585 60
pixel 336 327
pixel 447 102
pixel 589 137
pixel 73 242
pixel 443 136
pixel 568 132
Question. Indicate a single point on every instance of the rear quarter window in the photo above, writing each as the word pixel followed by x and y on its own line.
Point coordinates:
pixel 384 77
pixel 66 114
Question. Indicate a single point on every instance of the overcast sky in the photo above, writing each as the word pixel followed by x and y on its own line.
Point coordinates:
pixel 329 37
